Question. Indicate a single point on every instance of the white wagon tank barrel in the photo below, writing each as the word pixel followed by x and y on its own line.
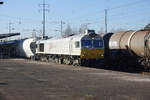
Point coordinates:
pixel 26 48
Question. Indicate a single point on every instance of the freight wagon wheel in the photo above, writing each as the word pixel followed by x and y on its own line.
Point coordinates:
pixel 148 67
pixel 146 64
pixel 32 58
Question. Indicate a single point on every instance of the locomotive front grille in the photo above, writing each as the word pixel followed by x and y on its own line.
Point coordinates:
pixel 92 53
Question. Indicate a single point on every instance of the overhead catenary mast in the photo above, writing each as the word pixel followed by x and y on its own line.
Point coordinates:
pixel 106 20
pixel 61 29
pixel 9 27
pixel 44 18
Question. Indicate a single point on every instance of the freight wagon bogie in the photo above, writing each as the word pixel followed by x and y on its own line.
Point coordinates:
pixel 123 60
pixel 145 63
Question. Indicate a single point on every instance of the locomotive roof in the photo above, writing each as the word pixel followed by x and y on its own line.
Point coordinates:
pixel 77 37
pixel 74 37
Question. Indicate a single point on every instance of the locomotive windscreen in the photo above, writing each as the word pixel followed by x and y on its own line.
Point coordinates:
pixel 33 46
pixel 92 44
pixel 97 43
pixel 86 44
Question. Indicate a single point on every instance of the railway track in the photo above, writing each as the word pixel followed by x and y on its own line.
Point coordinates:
pixel 127 69
pixel 146 73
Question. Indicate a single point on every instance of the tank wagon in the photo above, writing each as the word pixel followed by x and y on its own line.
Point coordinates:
pixel 130 47
pixel 26 48
pixel 82 49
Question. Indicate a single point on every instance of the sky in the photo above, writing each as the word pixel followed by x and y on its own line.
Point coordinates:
pixel 26 15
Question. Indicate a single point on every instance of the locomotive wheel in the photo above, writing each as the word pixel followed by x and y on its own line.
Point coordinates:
pixel 56 60
pixel 50 59
pixel 60 61
pixel 66 61
pixel 43 59
pixel 76 62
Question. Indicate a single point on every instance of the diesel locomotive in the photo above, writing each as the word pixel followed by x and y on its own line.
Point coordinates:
pixel 81 49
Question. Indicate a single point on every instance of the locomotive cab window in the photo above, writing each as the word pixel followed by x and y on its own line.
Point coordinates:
pixel 86 44
pixel 33 46
pixel 77 44
pixel 41 47
pixel 97 43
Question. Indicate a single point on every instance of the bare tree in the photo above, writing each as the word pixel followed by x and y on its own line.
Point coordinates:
pixel 75 30
pixel 82 29
pixel 147 27
pixel 118 30
pixel 101 31
pixel 68 31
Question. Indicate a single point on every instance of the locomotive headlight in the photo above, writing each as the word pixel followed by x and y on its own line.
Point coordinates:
pixel 84 54
pixel 101 55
